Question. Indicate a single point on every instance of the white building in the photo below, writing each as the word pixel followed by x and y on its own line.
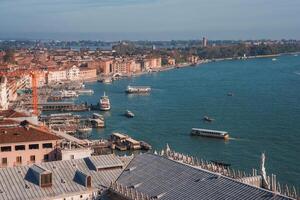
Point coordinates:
pixel 56 76
pixel 3 93
pixel 76 153
pixel 73 73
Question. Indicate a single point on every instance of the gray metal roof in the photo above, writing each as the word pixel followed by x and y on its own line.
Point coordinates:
pixel 169 180
pixel 14 185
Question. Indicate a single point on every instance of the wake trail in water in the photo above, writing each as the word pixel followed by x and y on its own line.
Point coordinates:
pixel 298 73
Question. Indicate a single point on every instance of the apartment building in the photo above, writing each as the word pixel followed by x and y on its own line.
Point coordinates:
pixel 57 75
pixel 23 144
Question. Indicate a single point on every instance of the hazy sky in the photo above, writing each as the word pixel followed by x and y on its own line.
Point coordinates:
pixel 149 19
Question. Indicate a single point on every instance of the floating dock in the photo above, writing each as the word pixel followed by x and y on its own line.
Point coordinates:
pixel 124 142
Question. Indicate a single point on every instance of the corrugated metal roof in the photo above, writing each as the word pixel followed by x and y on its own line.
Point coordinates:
pixel 169 180
pixel 14 186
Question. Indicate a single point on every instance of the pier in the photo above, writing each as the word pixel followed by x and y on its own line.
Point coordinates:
pixel 63 106
pixel 124 142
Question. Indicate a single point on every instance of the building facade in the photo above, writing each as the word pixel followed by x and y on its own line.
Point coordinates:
pixel 24 145
pixel 3 93
pixel 55 76
pixel 88 74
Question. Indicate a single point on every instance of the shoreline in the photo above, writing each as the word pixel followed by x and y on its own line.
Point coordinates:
pixel 185 65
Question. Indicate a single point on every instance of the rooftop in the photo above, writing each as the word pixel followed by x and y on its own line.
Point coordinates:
pixel 166 179
pixel 12 114
pixel 17 134
pixel 19 183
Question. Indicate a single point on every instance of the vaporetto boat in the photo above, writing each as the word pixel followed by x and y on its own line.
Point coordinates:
pixel 210 133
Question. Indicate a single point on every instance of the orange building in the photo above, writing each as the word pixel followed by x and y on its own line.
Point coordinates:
pixel 25 144
pixel 87 74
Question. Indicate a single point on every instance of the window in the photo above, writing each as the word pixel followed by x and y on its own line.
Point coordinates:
pixel 89 182
pixel 46 157
pixel 19 159
pixel 32 158
pixel 20 147
pixel 47 145
pixel 6 148
pixel 4 161
pixel 46 180
pixel 34 146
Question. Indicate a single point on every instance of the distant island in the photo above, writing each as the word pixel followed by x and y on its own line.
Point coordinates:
pixel 190 51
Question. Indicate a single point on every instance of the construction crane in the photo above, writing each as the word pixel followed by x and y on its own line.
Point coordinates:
pixel 34 78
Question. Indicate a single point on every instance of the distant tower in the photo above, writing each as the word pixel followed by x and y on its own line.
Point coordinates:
pixel 153 47
pixel 3 93
pixel 204 42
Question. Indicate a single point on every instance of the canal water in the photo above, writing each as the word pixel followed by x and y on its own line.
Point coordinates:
pixel 263 115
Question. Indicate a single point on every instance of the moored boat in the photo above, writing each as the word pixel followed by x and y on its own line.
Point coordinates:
pixel 210 133
pixel 104 103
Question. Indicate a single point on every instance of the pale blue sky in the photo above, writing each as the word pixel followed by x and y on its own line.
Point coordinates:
pixel 150 19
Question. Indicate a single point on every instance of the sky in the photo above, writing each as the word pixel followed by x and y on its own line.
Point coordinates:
pixel 149 19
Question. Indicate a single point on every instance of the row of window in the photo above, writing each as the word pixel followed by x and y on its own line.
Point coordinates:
pixel 22 147
pixel 4 161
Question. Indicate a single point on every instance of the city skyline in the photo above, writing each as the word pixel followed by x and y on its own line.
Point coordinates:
pixel 148 20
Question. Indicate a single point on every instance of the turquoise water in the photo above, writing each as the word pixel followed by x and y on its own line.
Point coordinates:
pixel 262 116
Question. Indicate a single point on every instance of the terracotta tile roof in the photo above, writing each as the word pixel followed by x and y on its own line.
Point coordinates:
pixel 12 114
pixel 17 134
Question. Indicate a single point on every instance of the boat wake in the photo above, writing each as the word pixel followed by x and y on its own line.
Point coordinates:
pixel 298 73
pixel 236 139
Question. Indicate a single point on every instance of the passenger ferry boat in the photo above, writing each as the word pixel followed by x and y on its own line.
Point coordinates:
pixel 138 89
pixel 210 133
pixel 104 103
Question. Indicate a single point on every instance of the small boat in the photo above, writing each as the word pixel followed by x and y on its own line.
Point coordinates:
pixel 145 146
pixel 129 114
pixel 138 89
pixel 210 133
pixel 97 116
pixel 107 80
pixel 230 94
pixel 104 103
pixel 221 163
pixel 274 59
pixel 207 119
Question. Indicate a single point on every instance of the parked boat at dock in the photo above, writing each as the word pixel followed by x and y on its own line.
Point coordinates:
pixel 210 133
pixel 97 121
pixel 68 94
pixel 124 142
pixel 104 103
pixel 138 89
pixel 85 92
